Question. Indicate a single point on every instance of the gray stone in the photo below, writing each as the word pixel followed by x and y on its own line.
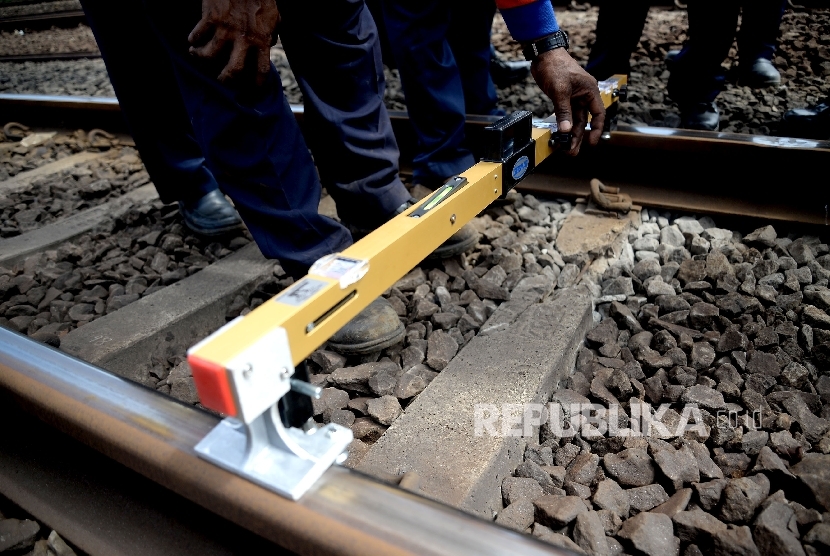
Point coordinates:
pixel 650 267
pixel 679 466
pixel 819 536
pixel 16 534
pixel 583 469
pixel 589 534
pixel 752 441
pixel 769 462
pixel 696 526
pixel 621 285
pixel 717 266
pixel 331 398
pixel 384 409
pixel 705 397
pixel 631 467
pixel 609 496
pixel 709 494
pixel 650 533
pixel 532 470
pixel 414 381
pixel 708 468
pixel 813 427
pixel 558 511
pixel 677 503
pixel 772 533
pixel 814 473
pixel 741 497
pixel 611 522
pixel 815 317
pixel 517 516
pixel 702 315
pixel 556 539
pixel 656 287
pixel 514 489
pixel 734 542
pixel 645 498
pixel 764 236
pixel 441 348
pixel 688 225
pixel 732 464
pixel 671 235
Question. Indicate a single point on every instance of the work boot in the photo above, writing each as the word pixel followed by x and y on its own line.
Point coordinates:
pixel 760 73
pixel 376 327
pixel 506 73
pixel 812 122
pixel 460 242
pixel 210 215
pixel 704 116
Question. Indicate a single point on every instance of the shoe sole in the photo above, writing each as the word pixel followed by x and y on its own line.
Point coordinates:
pixel 372 346
pixel 213 232
pixel 451 251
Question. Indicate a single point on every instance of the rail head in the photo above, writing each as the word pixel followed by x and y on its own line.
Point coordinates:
pixel 345 513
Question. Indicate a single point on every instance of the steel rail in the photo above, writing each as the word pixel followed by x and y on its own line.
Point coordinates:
pixel 41 19
pixel 746 176
pixel 345 513
pixel 50 56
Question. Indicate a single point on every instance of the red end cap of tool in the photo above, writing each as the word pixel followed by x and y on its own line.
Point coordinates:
pixel 213 386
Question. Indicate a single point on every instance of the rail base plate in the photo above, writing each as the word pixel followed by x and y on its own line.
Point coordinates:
pixel 271 467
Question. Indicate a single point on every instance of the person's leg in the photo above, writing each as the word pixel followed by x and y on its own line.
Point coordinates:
pixel 148 93
pixel 760 25
pixel 469 38
pixel 432 84
pixel 347 126
pixel 697 76
pixel 253 145
pixel 151 103
pixel 757 41
pixel 619 28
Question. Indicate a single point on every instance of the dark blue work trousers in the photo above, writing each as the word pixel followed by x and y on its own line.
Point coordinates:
pixel 619 28
pixel 252 143
pixel 442 50
pixel 697 74
pixel 142 77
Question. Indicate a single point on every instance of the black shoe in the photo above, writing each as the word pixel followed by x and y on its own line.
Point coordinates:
pixel 812 122
pixel 506 73
pixel 211 215
pixel 760 73
pixel 374 328
pixel 704 116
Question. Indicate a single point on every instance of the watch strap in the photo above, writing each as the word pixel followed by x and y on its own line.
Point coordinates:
pixel 533 49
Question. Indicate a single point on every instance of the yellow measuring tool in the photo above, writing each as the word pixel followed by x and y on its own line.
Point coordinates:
pixel 245 368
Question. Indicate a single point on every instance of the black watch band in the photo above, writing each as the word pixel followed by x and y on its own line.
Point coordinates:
pixel 533 49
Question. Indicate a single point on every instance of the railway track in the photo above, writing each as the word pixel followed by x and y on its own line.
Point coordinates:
pixel 150 437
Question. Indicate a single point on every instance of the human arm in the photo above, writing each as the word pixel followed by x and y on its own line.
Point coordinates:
pixel 573 91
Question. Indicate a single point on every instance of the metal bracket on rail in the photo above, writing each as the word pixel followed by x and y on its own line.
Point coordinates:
pixel 253 441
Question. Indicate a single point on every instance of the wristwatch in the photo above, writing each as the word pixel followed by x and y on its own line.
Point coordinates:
pixel 533 49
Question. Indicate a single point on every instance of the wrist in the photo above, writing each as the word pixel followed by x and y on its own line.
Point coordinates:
pixel 554 41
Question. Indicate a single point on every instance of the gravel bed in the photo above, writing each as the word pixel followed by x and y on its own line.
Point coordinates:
pixel 39 8
pixel 803 59
pixel 70 191
pixel 130 256
pixel 692 314
pixel 53 41
pixel 15 158
pixel 20 533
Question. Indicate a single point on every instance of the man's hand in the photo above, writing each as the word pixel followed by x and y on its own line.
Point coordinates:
pixel 574 94
pixel 242 24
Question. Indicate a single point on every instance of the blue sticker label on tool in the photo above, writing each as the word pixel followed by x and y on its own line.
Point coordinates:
pixel 520 168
